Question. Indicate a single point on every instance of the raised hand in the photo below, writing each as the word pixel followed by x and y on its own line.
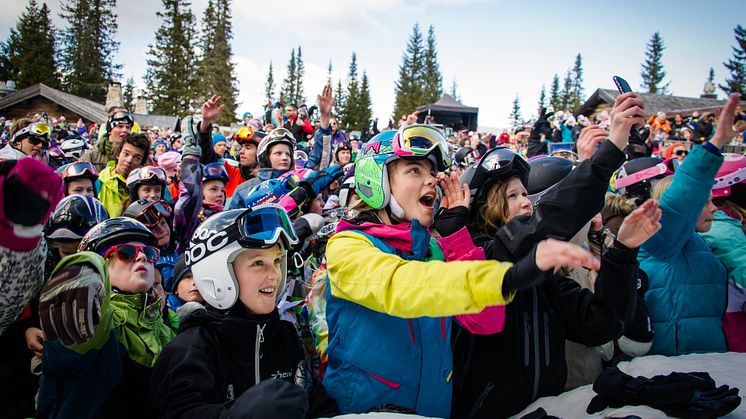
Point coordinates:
pixel 552 254
pixel 724 131
pixel 326 101
pixel 640 224
pixel 589 139
pixel 628 110
pixel 453 194
pixel 412 118
pixel 211 110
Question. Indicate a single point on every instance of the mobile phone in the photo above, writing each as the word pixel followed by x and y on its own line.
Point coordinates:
pixel 624 87
pixel 621 84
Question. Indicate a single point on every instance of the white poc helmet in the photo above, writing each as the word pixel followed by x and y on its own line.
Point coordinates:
pixel 73 148
pixel 221 238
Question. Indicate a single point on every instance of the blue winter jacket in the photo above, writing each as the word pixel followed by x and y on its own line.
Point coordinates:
pixel 376 359
pixel 688 289
pixel 243 190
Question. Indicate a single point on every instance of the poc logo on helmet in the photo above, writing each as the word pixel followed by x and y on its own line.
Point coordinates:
pixel 205 242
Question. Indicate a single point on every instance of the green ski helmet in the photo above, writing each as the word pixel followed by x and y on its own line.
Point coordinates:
pixel 410 142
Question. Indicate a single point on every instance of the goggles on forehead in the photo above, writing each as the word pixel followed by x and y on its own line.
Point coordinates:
pixel 422 140
pixel 120 118
pixel 282 133
pixel 264 225
pixel 660 169
pixel 152 214
pixel 150 172
pixel 78 168
pixel 37 131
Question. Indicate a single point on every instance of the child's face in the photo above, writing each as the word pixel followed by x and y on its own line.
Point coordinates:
pixel 280 157
pixel 187 289
pixel 133 276
pixel 81 187
pixel 258 273
pixel 151 192
pixel 518 202
pixel 214 192
pixel 162 232
pixel 413 186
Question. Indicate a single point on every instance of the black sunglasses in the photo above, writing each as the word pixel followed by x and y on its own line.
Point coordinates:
pixel 681 152
pixel 37 140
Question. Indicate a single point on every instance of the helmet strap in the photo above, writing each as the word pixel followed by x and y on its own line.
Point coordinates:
pixel 396 210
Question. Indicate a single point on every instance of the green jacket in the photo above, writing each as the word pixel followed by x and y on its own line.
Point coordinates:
pixel 112 190
pixel 103 152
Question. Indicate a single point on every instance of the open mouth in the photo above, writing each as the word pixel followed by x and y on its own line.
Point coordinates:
pixel 267 291
pixel 428 200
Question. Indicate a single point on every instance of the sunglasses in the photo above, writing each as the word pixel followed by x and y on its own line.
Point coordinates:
pixel 129 252
pixel 681 152
pixel 37 140
pixel 152 214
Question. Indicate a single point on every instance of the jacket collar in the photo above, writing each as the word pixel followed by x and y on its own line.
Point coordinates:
pixel 412 239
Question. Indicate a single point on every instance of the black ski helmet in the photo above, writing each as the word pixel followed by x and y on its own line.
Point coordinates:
pixel 74 216
pixel 115 231
pixel 498 164
pixel 642 188
pixel 545 173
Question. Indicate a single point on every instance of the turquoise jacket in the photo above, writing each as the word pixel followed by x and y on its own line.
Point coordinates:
pixel 688 289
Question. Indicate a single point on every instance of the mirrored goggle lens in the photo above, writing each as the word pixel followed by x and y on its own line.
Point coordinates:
pixel 149 172
pixel 79 168
pixel 498 159
pixel 152 214
pixel 421 138
pixel 40 129
pixel 128 253
pixel 266 225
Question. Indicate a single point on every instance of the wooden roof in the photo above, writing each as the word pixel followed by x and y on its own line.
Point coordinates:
pixel 654 103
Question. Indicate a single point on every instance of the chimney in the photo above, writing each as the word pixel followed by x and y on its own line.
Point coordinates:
pixel 141 106
pixel 114 96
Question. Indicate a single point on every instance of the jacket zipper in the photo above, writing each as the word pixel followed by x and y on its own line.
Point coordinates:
pixel 526 343
pixel 546 339
pixel 259 340
pixel 480 401
pixel 537 355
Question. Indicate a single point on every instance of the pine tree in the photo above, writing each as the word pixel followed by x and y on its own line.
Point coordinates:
pixel 542 98
pixel 454 90
pixel 340 102
pixel 652 69
pixel 128 94
pixel 409 89
pixel 329 73
pixel 432 78
pixel 269 85
pixel 365 105
pixel 169 79
pixel 28 56
pixel 555 96
pixel 300 72
pixel 288 85
pixel 351 111
pixel 88 47
pixel 567 90
pixel 578 96
pixel 216 71
pixel 515 113
pixel 736 82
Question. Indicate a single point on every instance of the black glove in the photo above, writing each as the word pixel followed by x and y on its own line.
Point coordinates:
pixel 323 178
pixel 541 126
pixel 685 395
pixel 268 400
pixel 70 304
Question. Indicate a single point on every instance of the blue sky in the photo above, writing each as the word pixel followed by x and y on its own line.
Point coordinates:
pixel 494 49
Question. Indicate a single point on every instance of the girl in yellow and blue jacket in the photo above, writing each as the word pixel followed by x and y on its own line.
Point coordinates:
pixel 390 295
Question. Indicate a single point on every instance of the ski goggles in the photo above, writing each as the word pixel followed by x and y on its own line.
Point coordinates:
pixel 282 133
pixel 77 169
pixel 129 252
pixel 152 172
pixel 262 226
pixel 422 140
pixel 215 171
pixel 152 214
pixel 120 118
pixel 664 168
pixel 566 154
pixel 37 133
